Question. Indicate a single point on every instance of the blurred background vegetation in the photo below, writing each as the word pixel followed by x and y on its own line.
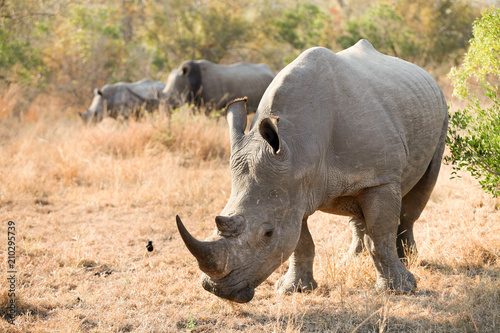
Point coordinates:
pixel 68 47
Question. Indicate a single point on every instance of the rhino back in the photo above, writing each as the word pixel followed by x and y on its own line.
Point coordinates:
pixel 357 118
pixel 118 94
pixel 119 100
pixel 222 83
pixel 147 89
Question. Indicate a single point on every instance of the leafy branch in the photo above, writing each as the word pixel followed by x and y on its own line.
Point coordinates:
pixel 473 135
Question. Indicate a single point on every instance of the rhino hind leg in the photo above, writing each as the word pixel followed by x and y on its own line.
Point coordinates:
pixel 412 205
pixel 358 228
pixel 381 209
pixel 299 276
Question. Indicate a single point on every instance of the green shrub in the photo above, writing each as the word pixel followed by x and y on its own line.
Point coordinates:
pixel 474 136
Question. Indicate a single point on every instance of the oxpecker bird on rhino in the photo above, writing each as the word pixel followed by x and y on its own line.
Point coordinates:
pixel 354 133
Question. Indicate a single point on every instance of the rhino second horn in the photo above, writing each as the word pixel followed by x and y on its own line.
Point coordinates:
pixel 230 226
pixel 236 115
pixel 211 256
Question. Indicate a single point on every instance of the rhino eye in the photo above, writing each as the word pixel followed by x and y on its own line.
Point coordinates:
pixel 269 233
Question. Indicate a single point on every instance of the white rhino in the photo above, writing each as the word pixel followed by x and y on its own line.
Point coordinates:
pixel 204 83
pixel 360 134
pixel 123 99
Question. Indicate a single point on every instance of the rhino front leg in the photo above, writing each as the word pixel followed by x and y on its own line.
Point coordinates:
pixel 300 272
pixel 381 208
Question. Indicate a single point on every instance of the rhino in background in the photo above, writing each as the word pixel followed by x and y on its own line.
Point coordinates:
pixel 356 133
pixel 204 83
pixel 123 99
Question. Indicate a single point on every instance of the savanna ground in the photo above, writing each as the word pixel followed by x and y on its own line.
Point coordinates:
pixel 86 200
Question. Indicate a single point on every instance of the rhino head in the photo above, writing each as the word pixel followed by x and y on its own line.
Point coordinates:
pixel 260 226
pixel 97 109
pixel 183 85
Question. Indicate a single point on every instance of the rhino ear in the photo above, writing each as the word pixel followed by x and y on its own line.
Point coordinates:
pixel 268 129
pixel 185 69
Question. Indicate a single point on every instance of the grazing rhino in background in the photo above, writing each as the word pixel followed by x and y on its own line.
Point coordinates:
pixel 123 99
pixel 204 83
pixel 360 134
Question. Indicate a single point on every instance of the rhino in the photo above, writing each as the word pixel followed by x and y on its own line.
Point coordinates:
pixel 123 99
pixel 204 83
pixel 355 133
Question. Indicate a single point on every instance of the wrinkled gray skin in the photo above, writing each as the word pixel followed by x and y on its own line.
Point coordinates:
pixel 204 83
pixel 360 134
pixel 123 99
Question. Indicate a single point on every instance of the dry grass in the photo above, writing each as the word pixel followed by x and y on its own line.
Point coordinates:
pixel 87 199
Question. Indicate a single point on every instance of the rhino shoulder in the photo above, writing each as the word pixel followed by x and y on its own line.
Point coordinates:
pixel 317 52
pixel 159 85
pixel 362 48
pixel 145 89
pixel 365 46
pixel 148 83
pixel 204 64
pixel 265 69
pixel 109 89
pixel 144 81
pixel 314 59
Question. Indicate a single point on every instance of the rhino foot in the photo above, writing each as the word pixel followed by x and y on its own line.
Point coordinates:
pixel 403 283
pixel 288 284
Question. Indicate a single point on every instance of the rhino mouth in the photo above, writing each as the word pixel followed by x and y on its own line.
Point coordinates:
pixel 239 293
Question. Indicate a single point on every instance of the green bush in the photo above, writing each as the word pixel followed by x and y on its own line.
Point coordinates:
pixel 303 27
pixel 385 29
pixel 474 135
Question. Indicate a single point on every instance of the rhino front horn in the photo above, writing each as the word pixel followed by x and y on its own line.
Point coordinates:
pixel 211 255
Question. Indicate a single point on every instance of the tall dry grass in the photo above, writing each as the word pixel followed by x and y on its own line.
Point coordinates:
pixel 87 199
